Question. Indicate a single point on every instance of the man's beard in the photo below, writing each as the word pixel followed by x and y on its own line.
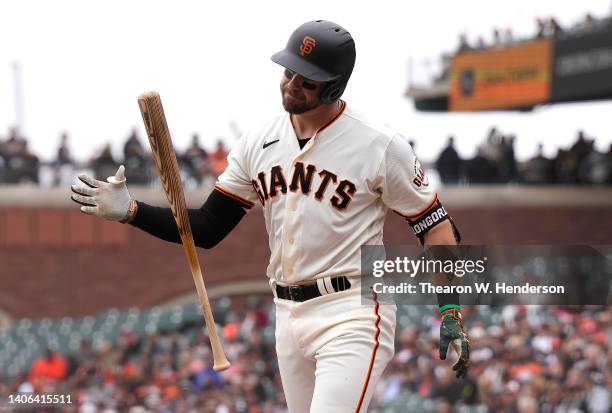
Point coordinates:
pixel 297 106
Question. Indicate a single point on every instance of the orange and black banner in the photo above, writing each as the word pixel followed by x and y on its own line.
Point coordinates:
pixel 511 78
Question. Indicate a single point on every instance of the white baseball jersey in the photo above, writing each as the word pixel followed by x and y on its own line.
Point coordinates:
pixel 323 202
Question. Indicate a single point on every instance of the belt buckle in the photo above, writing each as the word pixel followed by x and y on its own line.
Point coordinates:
pixel 296 293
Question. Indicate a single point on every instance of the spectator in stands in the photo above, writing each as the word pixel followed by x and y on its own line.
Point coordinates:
pixel 539 169
pixel 133 146
pixel 480 169
pixel 508 37
pixel 540 28
pixel 492 148
pixel 20 165
pixel 449 164
pixel 196 160
pixel 609 164
pixel 595 168
pixel 136 160
pixel 25 386
pixel 582 147
pixel 104 165
pixel 464 46
pixel 424 379
pixel 64 164
pixel 451 390
pixel 588 21
pixel 480 43
pixel 497 39
pixel 581 150
pixel 63 152
pixel 555 27
pixel 507 165
pixel 30 164
pixel 547 358
pixel 218 158
pixel 13 145
pixel 548 28
pixel 4 158
pixel 2 162
pixel 51 367
pixel 565 167
pixel 492 135
pixel 488 165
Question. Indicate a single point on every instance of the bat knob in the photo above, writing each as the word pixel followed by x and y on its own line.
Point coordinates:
pixel 221 366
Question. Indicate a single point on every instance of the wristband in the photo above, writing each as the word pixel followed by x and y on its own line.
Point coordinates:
pixel 131 214
pixel 450 306
pixel 456 314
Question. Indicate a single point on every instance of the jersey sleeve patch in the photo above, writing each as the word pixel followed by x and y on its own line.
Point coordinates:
pixel 404 187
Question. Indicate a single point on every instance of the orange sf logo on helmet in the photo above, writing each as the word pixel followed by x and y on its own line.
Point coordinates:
pixel 307 46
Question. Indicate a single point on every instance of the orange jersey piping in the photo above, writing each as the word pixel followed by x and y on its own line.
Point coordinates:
pixel 245 202
pixel 372 357
pixel 431 205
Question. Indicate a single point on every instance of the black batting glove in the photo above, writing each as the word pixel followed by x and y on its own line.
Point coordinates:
pixel 451 328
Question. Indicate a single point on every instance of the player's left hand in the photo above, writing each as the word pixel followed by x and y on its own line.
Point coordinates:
pixel 451 328
pixel 110 200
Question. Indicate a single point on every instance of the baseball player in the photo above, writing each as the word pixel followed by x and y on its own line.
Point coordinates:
pixel 325 177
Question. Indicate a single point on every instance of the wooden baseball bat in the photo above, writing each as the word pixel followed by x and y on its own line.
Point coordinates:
pixel 165 159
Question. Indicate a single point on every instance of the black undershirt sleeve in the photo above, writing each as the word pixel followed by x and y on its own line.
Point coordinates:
pixel 209 224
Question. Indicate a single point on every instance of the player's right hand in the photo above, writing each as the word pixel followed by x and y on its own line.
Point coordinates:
pixel 110 200
pixel 451 328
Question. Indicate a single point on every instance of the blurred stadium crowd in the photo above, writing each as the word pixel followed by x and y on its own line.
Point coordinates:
pixel 19 165
pixel 546 27
pixel 524 359
pixel 494 163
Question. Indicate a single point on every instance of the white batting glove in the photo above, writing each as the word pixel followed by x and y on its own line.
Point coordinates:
pixel 110 200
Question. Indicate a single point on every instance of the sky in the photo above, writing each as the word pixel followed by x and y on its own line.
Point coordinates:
pixel 83 65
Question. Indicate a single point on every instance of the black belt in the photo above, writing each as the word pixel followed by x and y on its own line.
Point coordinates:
pixel 306 292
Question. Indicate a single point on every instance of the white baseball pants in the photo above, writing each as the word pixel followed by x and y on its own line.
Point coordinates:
pixel 332 350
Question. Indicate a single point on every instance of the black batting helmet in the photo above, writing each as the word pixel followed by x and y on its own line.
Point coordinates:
pixel 322 51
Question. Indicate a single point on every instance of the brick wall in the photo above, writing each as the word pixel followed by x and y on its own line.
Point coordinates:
pixel 57 261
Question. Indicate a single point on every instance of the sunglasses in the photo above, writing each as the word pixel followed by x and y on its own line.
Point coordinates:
pixel 306 84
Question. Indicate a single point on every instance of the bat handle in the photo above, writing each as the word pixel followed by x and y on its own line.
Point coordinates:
pixel 220 361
